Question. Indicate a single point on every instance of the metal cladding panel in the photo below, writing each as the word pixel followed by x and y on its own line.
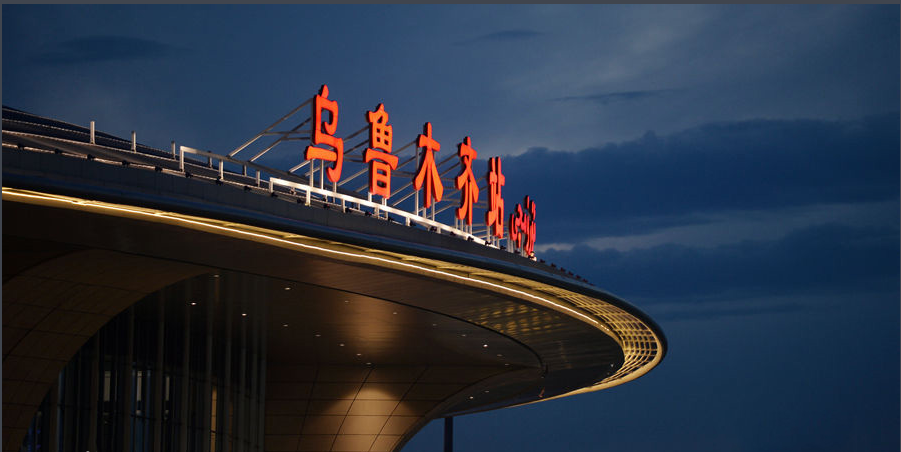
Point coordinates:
pixel 372 327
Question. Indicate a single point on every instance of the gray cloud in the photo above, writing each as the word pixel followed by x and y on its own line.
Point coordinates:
pixel 623 96
pixel 105 48
pixel 707 311
pixel 656 182
pixel 503 36
pixel 824 259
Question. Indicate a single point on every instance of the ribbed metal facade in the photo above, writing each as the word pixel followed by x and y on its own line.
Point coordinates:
pixel 185 375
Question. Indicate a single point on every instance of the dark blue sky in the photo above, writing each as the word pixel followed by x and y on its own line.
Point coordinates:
pixel 733 171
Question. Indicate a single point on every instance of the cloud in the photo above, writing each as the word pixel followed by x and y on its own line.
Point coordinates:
pixel 503 36
pixel 105 48
pixel 734 226
pixel 690 177
pixel 708 311
pixel 623 96
pixel 823 259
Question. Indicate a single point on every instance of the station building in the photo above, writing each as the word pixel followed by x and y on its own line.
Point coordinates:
pixel 154 301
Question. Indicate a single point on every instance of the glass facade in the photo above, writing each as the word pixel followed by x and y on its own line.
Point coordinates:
pixel 167 374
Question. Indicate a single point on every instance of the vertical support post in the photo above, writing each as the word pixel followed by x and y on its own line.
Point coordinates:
pixel 261 398
pixel 250 400
pixel 222 432
pixel 184 401
pixel 240 426
pixel 157 376
pixel 173 149
pixel 134 141
pixel 95 384
pixel 181 158
pixel 128 374
pixel 312 173
pixel 258 178
pixel 207 376
pixel 92 133
pixel 222 170
pixel 449 434
pixel 54 416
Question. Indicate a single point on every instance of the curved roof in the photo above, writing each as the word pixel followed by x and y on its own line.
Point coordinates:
pixel 410 296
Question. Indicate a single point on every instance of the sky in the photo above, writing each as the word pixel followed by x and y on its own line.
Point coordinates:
pixel 733 171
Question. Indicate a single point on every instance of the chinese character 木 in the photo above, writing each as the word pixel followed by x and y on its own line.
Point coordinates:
pixel 428 169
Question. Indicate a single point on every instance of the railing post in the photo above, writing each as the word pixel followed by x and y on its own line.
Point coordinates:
pixel 134 141
pixel 173 149
pixel 92 132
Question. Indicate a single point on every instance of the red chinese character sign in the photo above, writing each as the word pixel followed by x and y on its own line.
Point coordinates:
pixel 522 227
pixel 494 217
pixel 466 181
pixel 324 135
pixel 427 173
pixel 378 155
pixel 383 161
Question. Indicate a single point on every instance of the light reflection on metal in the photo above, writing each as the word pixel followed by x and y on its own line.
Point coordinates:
pixel 274 181
pixel 642 348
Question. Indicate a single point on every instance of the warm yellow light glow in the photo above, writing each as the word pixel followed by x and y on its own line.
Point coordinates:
pixel 359 254
pixel 208 223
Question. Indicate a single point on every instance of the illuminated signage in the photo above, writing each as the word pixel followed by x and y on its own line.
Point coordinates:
pixel 327 150
pixel 324 135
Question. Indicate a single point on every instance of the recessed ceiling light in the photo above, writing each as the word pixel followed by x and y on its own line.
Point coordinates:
pixel 434 324
pixel 347 301
pixel 215 276
pixel 287 288
pixel 470 397
pixel 368 364
pixel 193 303
pixel 484 345
pixel 341 345
pixel 243 314
pixel 359 354
pixel 500 355
pixel 317 335
pixel 464 335
pixel 395 312
pixel 284 324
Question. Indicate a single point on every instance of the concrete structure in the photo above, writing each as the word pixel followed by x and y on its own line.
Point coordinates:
pixel 147 310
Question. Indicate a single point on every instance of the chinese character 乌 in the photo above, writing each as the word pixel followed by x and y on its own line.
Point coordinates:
pixel 324 134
